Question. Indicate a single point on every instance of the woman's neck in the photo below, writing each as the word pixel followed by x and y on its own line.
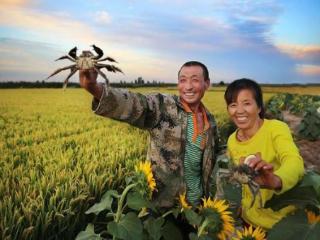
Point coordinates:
pixel 246 134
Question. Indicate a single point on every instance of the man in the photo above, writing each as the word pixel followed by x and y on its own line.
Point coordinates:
pixel 183 134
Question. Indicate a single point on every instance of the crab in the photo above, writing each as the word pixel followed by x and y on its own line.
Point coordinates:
pixel 239 174
pixel 86 60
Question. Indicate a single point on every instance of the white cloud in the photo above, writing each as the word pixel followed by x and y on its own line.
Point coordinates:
pixel 102 17
pixel 307 52
pixel 308 70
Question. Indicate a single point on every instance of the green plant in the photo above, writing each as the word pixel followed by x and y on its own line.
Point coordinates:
pixel 309 128
pixel 131 214
pixel 304 223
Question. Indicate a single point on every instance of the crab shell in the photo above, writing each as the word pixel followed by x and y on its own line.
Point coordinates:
pixel 85 60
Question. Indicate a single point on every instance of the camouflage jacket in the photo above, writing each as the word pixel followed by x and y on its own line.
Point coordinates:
pixel 165 119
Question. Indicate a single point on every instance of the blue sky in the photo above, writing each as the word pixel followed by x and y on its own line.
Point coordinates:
pixel 269 41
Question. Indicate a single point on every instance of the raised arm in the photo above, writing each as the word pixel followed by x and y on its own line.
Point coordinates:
pixel 88 81
pixel 139 110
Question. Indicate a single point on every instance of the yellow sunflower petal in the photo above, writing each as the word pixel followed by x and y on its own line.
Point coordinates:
pixel 145 168
pixel 183 201
pixel 312 217
pixel 220 206
pixel 248 232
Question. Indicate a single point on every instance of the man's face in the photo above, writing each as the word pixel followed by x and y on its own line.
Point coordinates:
pixel 192 85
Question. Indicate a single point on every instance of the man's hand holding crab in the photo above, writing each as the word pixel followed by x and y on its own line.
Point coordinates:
pixel 88 81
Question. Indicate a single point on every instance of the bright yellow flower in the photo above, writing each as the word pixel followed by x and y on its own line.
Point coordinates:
pixel 249 233
pixel 183 202
pixel 145 167
pixel 220 206
pixel 313 218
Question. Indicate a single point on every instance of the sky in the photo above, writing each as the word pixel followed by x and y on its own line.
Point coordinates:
pixel 270 41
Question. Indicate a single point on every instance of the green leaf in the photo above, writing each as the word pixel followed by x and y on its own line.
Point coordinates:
pixel 192 217
pixel 299 197
pixel 193 236
pixel 311 179
pixel 129 227
pixel 233 194
pixel 295 227
pixel 136 201
pixel 170 231
pixel 176 212
pixel 212 221
pixel 307 192
pixel 154 227
pixel 104 204
pixel 88 234
pixel 128 180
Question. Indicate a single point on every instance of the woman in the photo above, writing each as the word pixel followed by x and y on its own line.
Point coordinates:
pixel 276 157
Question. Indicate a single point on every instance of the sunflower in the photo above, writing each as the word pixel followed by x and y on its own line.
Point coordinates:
pixel 145 168
pixel 250 234
pixel 313 218
pixel 220 207
pixel 183 201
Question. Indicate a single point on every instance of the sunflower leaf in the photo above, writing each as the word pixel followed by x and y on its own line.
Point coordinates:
pixel 295 227
pixel 192 217
pixel 170 231
pixel 104 204
pixel 88 234
pixel 154 227
pixel 175 212
pixel 129 227
pixel 136 201
pixel 311 179
pixel 194 236
pixel 129 180
pixel 306 192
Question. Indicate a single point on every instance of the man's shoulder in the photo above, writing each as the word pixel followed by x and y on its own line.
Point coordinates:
pixel 163 99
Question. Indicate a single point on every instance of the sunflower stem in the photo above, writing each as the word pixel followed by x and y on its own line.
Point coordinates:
pixel 203 226
pixel 120 203
pixel 166 214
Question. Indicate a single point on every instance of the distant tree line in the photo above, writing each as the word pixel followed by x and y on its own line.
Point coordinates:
pixel 139 82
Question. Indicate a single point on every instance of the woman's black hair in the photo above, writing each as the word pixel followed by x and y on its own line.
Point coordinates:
pixel 233 89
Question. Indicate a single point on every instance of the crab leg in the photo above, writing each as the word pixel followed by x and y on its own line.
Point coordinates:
pixel 66 57
pixel 221 174
pixel 254 189
pixel 102 74
pixel 110 68
pixel 219 192
pixel 110 59
pixel 61 69
pixel 73 70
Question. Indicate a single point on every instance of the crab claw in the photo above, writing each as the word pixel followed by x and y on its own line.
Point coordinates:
pixel 73 52
pixel 98 51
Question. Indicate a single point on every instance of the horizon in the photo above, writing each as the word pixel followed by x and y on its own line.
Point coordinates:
pixel 272 42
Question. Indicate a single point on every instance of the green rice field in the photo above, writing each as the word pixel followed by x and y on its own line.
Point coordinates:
pixel 57 157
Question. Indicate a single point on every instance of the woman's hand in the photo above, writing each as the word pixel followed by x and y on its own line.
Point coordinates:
pixel 266 177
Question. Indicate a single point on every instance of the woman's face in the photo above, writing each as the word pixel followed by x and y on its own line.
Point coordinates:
pixel 244 112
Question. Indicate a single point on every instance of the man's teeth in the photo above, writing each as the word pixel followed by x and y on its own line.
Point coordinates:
pixel 189 94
